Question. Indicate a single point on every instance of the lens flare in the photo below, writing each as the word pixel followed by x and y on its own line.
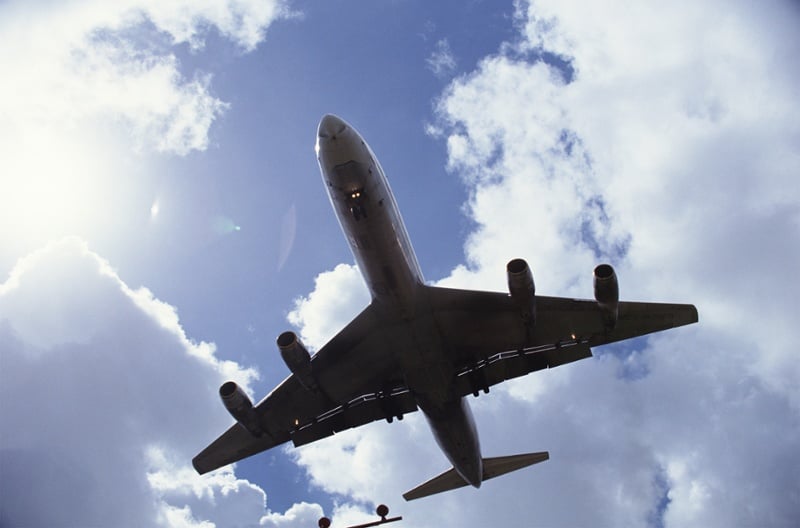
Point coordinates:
pixel 223 225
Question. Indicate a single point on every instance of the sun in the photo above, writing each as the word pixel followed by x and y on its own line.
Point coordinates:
pixel 51 185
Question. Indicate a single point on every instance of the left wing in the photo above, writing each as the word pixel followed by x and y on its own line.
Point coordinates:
pixel 358 383
pixel 237 442
pixel 489 342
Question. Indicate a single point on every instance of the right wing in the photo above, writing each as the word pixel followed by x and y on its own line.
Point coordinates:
pixel 489 343
pixel 359 383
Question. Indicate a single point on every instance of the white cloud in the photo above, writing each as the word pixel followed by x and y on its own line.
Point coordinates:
pixel 362 455
pixel 671 151
pixel 217 499
pixel 338 296
pixel 83 82
pixel 299 515
pixel 351 515
pixel 104 398
pixel 441 61
pixel 88 60
pixel 104 402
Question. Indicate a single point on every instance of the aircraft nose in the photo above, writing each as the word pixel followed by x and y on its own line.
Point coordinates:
pixel 330 126
pixel 338 142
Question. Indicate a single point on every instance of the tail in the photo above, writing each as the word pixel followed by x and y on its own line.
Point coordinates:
pixel 492 467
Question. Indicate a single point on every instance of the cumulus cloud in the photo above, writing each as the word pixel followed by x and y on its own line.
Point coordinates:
pixel 300 514
pixel 84 81
pixel 338 296
pixel 89 60
pixel 663 139
pixel 105 400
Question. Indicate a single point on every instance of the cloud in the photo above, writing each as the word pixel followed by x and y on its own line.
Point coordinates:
pixel 92 60
pixel 85 81
pixel 300 514
pixel 663 139
pixel 442 62
pixel 105 401
pixel 338 296
pixel 105 398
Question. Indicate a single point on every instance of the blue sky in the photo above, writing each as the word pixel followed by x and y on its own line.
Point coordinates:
pixel 162 219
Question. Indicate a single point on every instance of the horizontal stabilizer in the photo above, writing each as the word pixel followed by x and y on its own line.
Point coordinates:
pixel 492 467
pixel 448 480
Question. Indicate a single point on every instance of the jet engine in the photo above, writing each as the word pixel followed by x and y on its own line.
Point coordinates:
pixel 240 407
pixel 297 358
pixel 522 289
pixel 606 292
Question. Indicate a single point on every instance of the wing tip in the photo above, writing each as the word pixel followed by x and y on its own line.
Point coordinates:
pixel 204 464
pixel 197 463
pixel 692 315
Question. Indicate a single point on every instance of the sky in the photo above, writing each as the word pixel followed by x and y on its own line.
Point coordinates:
pixel 162 220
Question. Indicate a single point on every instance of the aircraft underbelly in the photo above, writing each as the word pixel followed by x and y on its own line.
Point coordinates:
pixel 455 432
pixel 430 375
pixel 372 224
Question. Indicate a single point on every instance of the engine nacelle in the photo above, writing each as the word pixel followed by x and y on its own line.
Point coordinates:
pixel 522 289
pixel 606 292
pixel 240 407
pixel 297 358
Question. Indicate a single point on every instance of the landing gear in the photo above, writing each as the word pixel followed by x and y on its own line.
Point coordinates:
pixel 358 211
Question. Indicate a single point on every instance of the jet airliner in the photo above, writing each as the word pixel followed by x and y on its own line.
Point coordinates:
pixel 420 347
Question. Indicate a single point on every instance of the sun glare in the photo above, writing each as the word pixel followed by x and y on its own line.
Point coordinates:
pixel 52 187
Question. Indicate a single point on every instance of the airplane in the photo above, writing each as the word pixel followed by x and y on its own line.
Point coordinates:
pixel 420 347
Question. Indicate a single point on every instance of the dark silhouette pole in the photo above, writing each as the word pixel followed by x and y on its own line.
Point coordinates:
pixel 382 510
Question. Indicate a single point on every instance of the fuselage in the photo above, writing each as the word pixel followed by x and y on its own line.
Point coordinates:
pixel 371 222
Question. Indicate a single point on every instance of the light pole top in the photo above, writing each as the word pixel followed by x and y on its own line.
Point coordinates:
pixel 382 510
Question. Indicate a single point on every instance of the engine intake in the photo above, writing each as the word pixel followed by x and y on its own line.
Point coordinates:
pixel 240 407
pixel 522 288
pixel 298 359
pixel 606 292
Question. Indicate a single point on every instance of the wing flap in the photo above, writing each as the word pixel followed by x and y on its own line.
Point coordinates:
pixel 513 364
pixel 362 410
